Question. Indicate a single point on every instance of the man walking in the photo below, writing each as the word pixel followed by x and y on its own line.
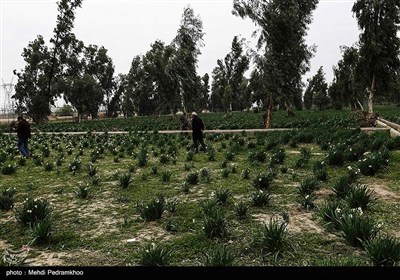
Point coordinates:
pixel 197 129
pixel 24 133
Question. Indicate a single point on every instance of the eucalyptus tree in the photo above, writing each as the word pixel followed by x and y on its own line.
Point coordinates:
pixel 229 75
pixel 56 59
pixel 83 93
pixel 379 44
pixel 283 26
pixel 257 84
pixel 188 42
pixel 159 65
pixel 138 97
pixel 129 85
pixel 218 87
pixel 101 67
pixel 344 90
pixel 115 104
pixel 31 89
pixel 204 82
pixel 87 61
pixel 316 91
pixel 65 47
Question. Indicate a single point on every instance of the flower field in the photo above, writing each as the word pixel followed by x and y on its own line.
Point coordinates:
pixel 323 195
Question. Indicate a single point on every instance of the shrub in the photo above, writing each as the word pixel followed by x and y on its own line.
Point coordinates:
pixel 42 230
pixel 219 256
pixel 360 196
pixel 307 201
pixel 305 155
pixel 263 181
pixel 278 157
pixel 153 210
pixel 257 156
pixel 164 159
pixel 125 179
pixel 383 251
pixel 75 165
pixel 166 176
pixel 185 187
pixel 96 180
pixel 154 169
pixel 222 195
pixel 245 173
pixel 48 166
pixel 208 207
pixel 154 255
pixel 241 209
pixel 335 157
pixel 188 166
pixel 211 154
pixel 21 161
pixel 33 211
pixel 189 156
pixel 142 158
pixel 356 228
pixel 308 186
pixel 171 226
pixel 341 187
pixel 205 175
pixel 331 211
pixel 9 169
pixel 229 156
pixel 83 191
pixel 320 171
pixel 92 170
pixel 7 199
pixel 225 172
pixel 171 205
pixel 192 178
pixel 260 198
pixel 214 223
pixel 273 238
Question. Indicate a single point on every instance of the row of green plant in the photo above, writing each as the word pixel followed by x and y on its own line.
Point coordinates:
pixel 234 120
pixel 156 180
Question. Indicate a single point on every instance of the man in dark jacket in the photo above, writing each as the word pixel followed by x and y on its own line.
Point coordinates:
pixel 24 133
pixel 197 128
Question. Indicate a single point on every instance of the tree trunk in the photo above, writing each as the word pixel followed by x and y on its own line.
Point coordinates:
pixel 289 110
pixel 269 114
pixel 359 104
pixel 371 95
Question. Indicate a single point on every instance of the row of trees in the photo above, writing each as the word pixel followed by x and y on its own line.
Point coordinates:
pixel 370 67
pixel 165 79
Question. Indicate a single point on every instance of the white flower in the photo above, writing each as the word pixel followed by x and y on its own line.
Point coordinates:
pixel 349 167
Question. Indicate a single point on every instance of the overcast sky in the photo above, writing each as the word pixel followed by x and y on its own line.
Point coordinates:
pixel 127 28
